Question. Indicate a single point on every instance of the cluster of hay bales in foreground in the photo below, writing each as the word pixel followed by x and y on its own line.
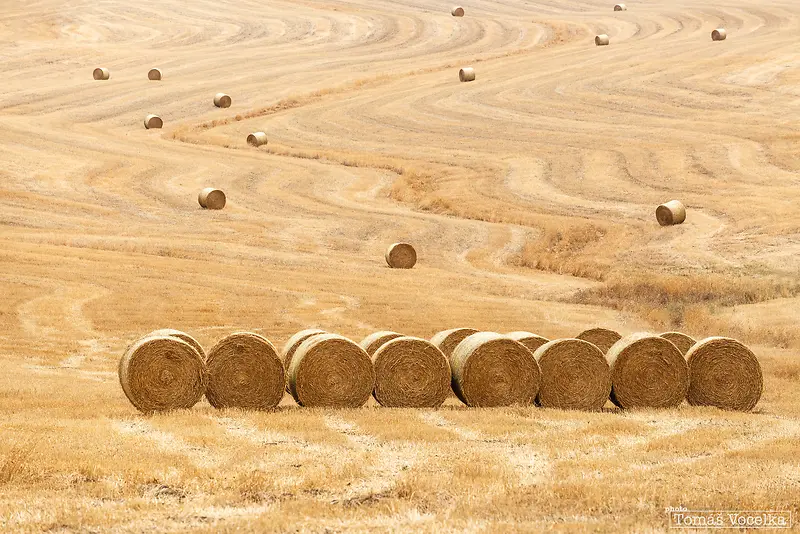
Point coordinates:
pixel 168 369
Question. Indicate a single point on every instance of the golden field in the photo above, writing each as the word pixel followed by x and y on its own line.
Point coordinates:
pixel 529 195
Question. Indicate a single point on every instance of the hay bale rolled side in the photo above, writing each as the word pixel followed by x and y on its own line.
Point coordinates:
pixel 724 373
pixel 211 198
pixel 647 371
pixel 287 353
pixel 410 373
pixel 602 40
pixel 221 100
pixel 401 256
pixel 467 74
pixel 244 371
pixel 257 139
pixel 180 335
pixel 329 370
pixel 154 74
pixel 720 34
pixel 101 74
pixel 153 121
pixel 532 341
pixel 575 375
pixel 490 369
pixel 602 337
pixel 457 11
pixel 374 341
pixel 620 7
pixel 672 212
pixel 162 373
pixel 680 340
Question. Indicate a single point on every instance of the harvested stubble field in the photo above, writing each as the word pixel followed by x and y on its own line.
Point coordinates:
pixel 529 195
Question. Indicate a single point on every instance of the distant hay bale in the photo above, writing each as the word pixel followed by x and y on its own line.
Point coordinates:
pixel 620 7
pixel 154 74
pixel 101 74
pixel 532 341
pixel 720 34
pixel 212 199
pixel 153 121
pixel 724 373
pixel 602 40
pixel 467 74
pixel 410 373
pixel 447 340
pixel 221 100
pixel 647 371
pixel 680 340
pixel 603 338
pixel 329 370
pixel 162 373
pixel 244 371
pixel 291 346
pixel 457 11
pixel 401 256
pixel 374 341
pixel 180 335
pixel 575 375
pixel 672 212
pixel 257 139
pixel 491 369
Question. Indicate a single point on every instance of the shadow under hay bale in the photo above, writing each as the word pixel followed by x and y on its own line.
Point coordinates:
pixel 575 375
pixel 410 373
pixel 724 373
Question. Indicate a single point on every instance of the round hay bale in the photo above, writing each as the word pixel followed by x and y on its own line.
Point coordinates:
pixel 602 40
pixel 720 34
pixel 180 335
pixel 154 74
pixel 620 7
pixel 401 256
pixel 221 100
pixel 467 74
pixel 491 369
pixel 153 121
pixel 244 371
pixel 257 139
pixel 647 371
pixel 291 346
pixel 374 341
pixel 531 341
pixel 101 74
pixel 672 212
pixel 212 199
pixel 575 375
pixel 603 338
pixel 410 373
pixel 457 11
pixel 162 373
pixel 329 370
pixel 447 340
pixel 680 340
pixel 724 373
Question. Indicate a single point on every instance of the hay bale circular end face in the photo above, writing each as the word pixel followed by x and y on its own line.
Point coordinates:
pixel 244 371
pixel 467 74
pixel 603 338
pixel 720 34
pixel 154 74
pixel 575 375
pixel 724 373
pixel 602 40
pixel 212 199
pixel 101 74
pixel 672 212
pixel 153 121
pixel 257 139
pixel 329 370
pixel 410 373
pixel 680 340
pixel 180 335
pixel 374 341
pixel 401 256
pixel 491 369
pixel 287 353
pixel 531 341
pixel 647 371
pixel 221 100
pixel 457 11
pixel 162 373
pixel 447 340
pixel 620 7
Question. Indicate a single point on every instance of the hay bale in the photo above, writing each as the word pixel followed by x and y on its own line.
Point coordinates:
pixel 720 34
pixel 575 375
pixel 287 353
pixel 329 370
pixel 620 7
pixel 212 199
pixel 724 373
pixel 672 212
pixel 680 340
pixel 153 121
pixel 244 371
pixel 647 371
pixel 162 373
pixel 154 74
pixel 410 373
pixel 532 341
pixel 602 337
pixel 101 74
pixel 401 256
pixel 467 74
pixel 221 100
pixel 180 335
pixel 457 11
pixel 491 369
pixel 447 340
pixel 257 139
pixel 602 40
pixel 374 341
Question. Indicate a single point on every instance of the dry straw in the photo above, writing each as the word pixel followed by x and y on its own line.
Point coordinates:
pixel 401 256
pixel 447 340
pixel 720 34
pixel 724 373
pixel 467 74
pixel 491 369
pixel 672 212
pixel 180 335
pixel 329 370
pixel 532 341
pixel 575 375
pixel 602 40
pixel 221 100
pixel 154 74
pixel 162 373
pixel 602 337
pixel 647 371
pixel 101 74
pixel 257 139
pixel 457 11
pixel 680 340
pixel 212 199
pixel 244 371
pixel 153 121
pixel 374 341
pixel 291 347
pixel 620 7
pixel 410 373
